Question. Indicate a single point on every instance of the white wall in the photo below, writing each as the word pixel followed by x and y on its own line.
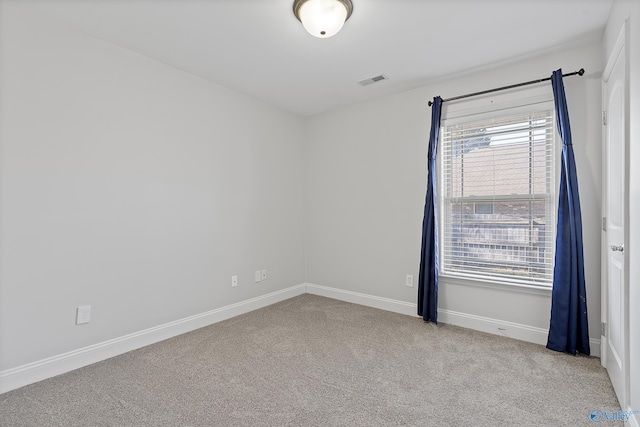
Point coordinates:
pixel 133 187
pixel 367 183
pixel 629 10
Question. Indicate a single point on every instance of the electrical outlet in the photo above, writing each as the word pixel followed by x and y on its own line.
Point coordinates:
pixel 234 281
pixel 83 314
pixel 409 280
pixel 264 274
pixel 257 276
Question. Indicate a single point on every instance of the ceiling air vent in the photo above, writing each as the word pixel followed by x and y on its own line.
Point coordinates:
pixel 372 80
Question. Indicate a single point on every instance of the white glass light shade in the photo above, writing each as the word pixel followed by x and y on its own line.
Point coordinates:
pixel 323 18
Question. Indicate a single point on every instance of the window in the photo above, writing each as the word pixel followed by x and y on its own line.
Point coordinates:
pixel 498 198
pixel 483 208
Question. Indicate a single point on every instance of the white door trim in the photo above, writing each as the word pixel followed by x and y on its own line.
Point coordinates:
pixel 619 51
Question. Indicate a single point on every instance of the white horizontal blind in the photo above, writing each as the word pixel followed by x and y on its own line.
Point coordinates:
pixel 498 198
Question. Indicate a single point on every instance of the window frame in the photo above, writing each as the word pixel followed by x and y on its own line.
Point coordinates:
pixel 502 105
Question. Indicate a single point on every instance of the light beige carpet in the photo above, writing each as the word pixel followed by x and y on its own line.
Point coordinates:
pixel 313 361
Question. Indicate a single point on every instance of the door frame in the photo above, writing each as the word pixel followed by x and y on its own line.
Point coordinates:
pixel 620 48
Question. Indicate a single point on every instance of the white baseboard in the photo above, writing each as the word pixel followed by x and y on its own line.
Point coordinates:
pixel 20 376
pixel 387 304
pixel 478 323
pixel 494 326
pixel 504 328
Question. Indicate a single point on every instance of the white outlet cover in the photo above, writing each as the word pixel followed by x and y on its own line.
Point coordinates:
pixel 83 314
pixel 257 276
pixel 234 281
pixel 409 280
pixel 264 274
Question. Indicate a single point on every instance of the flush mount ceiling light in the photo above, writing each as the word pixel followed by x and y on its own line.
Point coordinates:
pixel 322 18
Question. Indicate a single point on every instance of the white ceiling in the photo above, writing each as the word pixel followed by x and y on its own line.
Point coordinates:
pixel 258 47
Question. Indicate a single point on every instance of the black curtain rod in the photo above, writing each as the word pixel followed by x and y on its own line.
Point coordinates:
pixel 580 72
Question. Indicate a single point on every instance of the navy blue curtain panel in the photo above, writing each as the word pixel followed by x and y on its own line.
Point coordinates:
pixel 428 278
pixel 568 329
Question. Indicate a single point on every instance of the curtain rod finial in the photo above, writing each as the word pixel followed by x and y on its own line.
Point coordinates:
pixel 581 71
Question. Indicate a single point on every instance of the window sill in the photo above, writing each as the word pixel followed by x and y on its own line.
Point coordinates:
pixel 503 286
